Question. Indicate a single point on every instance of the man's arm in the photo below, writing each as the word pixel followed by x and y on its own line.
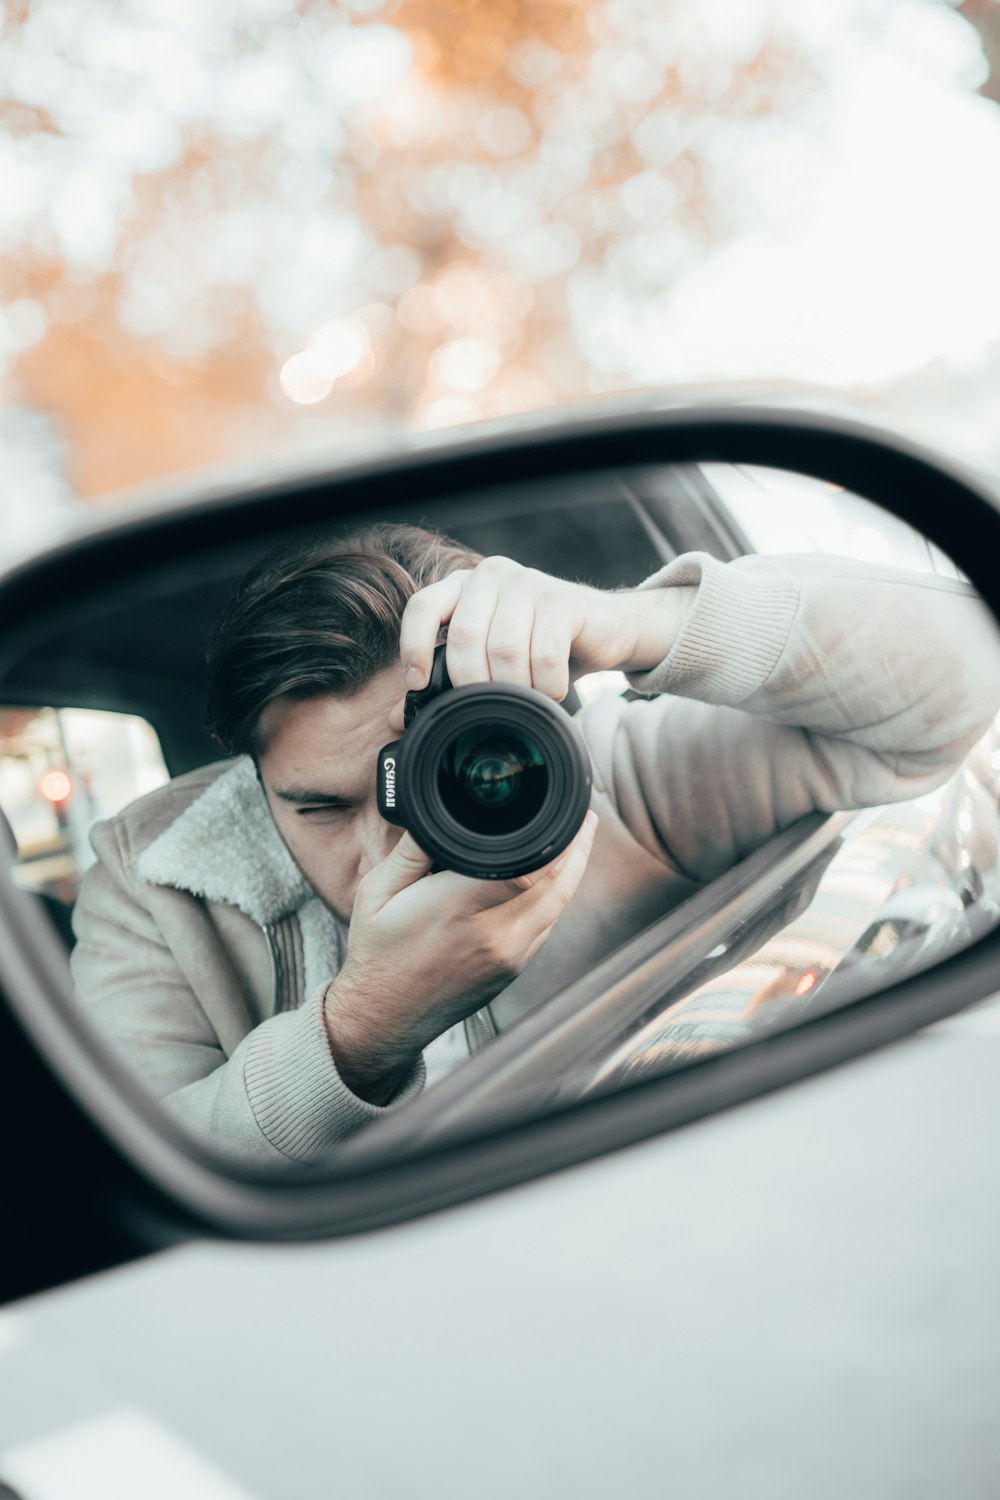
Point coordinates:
pixel 277 1096
pixel 507 623
pixel 789 685
pixel 796 684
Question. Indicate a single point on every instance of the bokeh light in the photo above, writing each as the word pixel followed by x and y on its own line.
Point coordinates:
pixel 55 786
pixel 306 379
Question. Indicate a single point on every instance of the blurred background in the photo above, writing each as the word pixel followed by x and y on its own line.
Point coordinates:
pixel 238 233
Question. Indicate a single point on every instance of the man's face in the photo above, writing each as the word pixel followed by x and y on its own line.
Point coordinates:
pixel 318 771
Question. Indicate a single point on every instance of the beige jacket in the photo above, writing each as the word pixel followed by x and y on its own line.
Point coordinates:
pixel 797 684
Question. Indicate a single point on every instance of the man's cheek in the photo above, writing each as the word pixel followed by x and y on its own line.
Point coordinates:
pixel 325 849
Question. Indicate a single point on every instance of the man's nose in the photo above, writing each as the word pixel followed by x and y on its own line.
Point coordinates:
pixel 378 839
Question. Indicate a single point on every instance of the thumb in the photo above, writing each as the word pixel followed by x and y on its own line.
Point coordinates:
pixel 397 717
pixel 406 864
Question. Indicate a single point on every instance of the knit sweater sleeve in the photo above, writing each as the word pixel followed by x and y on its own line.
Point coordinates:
pixel 796 684
pixel 272 1096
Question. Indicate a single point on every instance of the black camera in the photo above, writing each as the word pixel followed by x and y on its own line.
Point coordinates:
pixel 492 780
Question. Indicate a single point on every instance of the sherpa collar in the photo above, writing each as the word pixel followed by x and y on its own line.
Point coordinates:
pixel 225 847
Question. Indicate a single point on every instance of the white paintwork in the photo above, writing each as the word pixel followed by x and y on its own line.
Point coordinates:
pixel 121 1455
pixel 796 1299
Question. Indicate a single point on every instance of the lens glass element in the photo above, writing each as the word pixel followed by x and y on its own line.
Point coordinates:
pixel 492 780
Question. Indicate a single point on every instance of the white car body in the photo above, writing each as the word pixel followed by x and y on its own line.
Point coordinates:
pixel 795 1298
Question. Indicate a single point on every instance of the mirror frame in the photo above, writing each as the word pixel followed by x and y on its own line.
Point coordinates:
pixel 195 1187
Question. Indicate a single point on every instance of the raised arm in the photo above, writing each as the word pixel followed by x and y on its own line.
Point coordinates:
pixel 779 685
pixel 794 684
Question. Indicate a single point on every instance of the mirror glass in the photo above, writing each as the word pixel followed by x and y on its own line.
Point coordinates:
pixel 792 746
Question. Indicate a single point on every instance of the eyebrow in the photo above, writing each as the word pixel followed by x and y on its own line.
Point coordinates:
pixel 301 795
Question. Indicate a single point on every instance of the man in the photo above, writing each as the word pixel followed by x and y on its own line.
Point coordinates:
pixel 281 966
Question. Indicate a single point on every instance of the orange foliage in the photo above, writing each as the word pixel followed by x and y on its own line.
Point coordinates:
pixel 497 162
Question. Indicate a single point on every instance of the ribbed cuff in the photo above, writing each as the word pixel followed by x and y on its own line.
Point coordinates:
pixel 298 1098
pixel 733 634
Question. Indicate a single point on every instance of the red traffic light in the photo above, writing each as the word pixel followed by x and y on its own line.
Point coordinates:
pixel 55 786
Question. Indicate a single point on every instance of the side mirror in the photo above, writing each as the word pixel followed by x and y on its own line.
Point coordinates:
pixel 597 1042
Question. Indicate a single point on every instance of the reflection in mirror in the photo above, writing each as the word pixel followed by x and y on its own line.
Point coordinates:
pixel 791 750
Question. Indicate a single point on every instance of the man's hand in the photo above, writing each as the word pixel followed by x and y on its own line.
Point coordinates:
pixel 507 623
pixel 425 951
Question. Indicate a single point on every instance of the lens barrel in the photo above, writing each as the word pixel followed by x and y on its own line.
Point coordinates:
pixel 493 780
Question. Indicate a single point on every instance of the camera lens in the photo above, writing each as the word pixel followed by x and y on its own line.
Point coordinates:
pixel 492 781
pixel 491 778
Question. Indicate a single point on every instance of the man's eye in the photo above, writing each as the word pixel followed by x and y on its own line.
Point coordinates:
pixel 328 807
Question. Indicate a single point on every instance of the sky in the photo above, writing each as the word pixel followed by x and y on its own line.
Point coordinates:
pixel 893 262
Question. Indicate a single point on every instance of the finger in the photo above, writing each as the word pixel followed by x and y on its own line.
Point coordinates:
pixel 550 896
pixel 406 864
pixel 486 893
pixel 426 611
pixel 469 628
pixel 551 641
pixel 508 644
pixel 397 717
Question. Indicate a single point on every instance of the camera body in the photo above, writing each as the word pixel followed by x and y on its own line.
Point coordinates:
pixel 493 780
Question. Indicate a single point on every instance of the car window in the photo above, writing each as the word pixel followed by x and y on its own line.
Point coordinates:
pixel 905 887
pixel 62 770
pixel 785 512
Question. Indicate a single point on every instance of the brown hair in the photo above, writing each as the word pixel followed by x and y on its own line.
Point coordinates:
pixel 320 617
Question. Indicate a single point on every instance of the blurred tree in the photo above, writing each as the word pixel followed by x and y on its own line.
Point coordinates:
pixel 234 230
pixel 421 211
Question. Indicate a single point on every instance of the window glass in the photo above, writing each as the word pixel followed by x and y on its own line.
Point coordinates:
pixel 62 769
pixel 907 885
pixel 784 512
